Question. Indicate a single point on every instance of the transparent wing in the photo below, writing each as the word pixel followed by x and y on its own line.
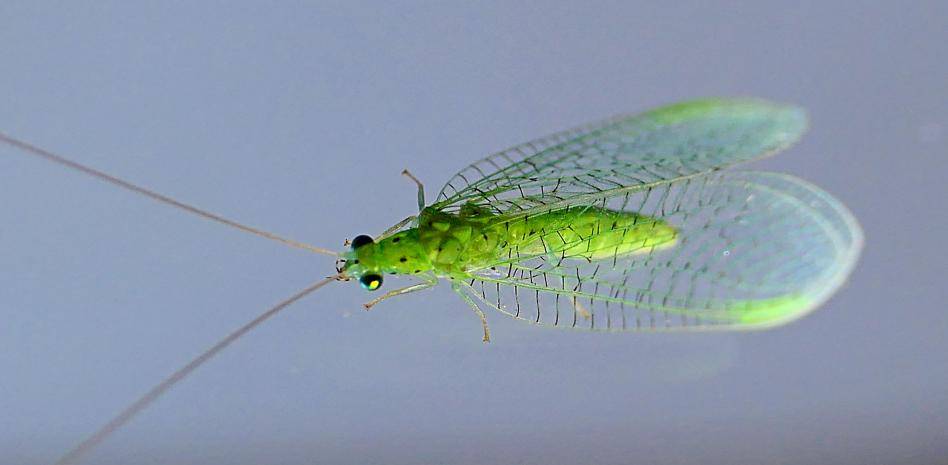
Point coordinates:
pixel 753 249
pixel 625 152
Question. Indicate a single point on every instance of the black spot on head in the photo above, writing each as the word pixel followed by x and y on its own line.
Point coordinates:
pixel 396 239
pixel 417 271
pixel 356 261
pixel 403 259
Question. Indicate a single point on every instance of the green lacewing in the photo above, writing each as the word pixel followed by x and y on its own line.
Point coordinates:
pixel 631 223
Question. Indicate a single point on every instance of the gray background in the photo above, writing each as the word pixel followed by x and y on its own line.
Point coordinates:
pixel 299 118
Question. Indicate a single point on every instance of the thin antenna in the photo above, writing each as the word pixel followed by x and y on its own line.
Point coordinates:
pixel 151 396
pixel 49 156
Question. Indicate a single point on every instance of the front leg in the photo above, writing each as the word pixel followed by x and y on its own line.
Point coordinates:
pixel 430 281
pixel 394 229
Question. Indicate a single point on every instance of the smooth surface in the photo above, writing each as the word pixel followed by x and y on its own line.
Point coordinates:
pixel 299 118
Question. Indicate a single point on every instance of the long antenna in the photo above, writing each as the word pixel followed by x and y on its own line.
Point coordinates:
pixel 151 396
pixel 50 156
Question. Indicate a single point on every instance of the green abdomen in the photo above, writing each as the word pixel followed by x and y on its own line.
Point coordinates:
pixel 463 243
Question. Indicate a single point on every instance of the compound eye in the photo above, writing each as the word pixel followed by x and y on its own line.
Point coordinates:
pixel 361 240
pixel 371 282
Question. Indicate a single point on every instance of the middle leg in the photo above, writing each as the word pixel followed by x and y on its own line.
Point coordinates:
pixel 477 310
pixel 421 189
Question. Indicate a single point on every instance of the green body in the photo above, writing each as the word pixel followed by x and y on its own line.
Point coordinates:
pixel 454 245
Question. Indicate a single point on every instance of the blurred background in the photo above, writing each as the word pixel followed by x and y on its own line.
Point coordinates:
pixel 299 116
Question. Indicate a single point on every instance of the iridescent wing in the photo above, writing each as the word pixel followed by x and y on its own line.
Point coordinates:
pixel 626 152
pixel 753 250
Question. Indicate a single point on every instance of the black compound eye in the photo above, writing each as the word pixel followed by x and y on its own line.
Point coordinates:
pixel 361 240
pixel 371 282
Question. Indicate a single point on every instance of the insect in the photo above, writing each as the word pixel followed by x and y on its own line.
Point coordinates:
pixel 626 224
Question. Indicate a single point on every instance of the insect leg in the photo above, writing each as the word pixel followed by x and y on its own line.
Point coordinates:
pixel 429 282
pixel 477 310
pixel 394 229
pixel 421 189
pixel 580 309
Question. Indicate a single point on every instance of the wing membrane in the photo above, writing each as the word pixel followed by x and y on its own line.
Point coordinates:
pixel 753 250
pixel 625 152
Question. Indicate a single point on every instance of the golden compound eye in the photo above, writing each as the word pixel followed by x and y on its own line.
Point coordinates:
pixel 371 282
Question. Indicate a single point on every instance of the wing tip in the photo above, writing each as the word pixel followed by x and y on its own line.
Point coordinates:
pixel 792 117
